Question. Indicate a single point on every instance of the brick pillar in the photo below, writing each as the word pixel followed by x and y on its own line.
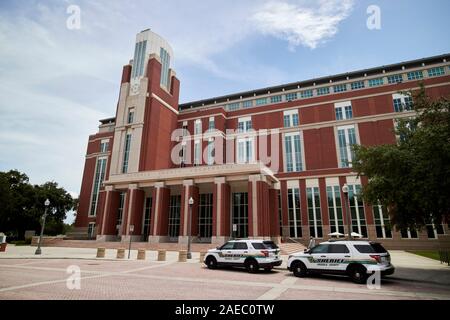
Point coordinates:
pixel 134 211
pixel 284 209
pixel 324 208
pixel 107 227
pixel 304 209
pixel 258 207
pixel 221 211
pixel 160 214
pixel 189 190
pixel 274 215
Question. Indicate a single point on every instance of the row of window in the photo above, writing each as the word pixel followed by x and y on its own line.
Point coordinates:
pixel 343 111
pixel 335 215
pixel 360 84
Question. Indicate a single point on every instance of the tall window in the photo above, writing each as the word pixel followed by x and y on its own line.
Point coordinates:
pixel 130 118
pixel 402 102
pixel 290 118
pixel 343 110
pixel 147 218
pixel 126 153
pixel 382 222
pixel 165 63
pixel 205 210
pixel 335 209
pixel 294 214
pixel 357 210
pixel 280 212
pixel 198 126
pixel 211 124
pixel 174 216
pixel 409 233
pixel 245 145
pixel 98 180
pixel 104 144
pixel 293 152
pixel 197 152
pixel 210 152
pixel 240 214
pixel 314 214
pixel 139 59
pixel 347 138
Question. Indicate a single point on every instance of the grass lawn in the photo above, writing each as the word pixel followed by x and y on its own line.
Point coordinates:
pixel 429 254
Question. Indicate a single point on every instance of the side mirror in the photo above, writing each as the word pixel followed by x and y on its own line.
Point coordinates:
pixel 218 248
pixel 307 251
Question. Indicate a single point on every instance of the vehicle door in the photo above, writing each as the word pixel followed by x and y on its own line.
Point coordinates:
pixel 338 257
pixel 241 252
pixel 226 252
pixel 317 257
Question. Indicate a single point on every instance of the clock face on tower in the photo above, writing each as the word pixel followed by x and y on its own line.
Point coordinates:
pixel 135 88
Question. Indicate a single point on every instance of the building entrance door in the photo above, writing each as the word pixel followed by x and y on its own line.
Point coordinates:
pixel 239 215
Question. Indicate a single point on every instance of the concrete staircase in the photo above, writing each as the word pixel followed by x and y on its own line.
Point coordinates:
pixel 291 247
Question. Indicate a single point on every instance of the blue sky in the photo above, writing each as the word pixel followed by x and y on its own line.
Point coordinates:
pixel 56 83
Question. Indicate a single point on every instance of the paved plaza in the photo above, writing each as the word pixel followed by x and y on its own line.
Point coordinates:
pixel 23 276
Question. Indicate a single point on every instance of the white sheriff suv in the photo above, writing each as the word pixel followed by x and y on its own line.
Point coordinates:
pixel 250 254
pixel 357 259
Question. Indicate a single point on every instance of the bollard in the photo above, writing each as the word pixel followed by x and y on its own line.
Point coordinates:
pixel 101 252
pixel 182 256
pixel 141 254
pixel 161 255
pixel 120 253
pixel 202 256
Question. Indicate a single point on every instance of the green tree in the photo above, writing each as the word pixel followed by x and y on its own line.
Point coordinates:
pixel 22 205
pixel 412 177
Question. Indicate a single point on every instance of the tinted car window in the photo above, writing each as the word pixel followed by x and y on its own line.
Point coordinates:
pixel 321 248
pixel 258 245
pixel 370 248
pixel 240 245
pixel 338 248
pixel 227 246
pixel 270 244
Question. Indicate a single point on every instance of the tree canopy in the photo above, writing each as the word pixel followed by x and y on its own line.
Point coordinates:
pixel 412 178
pixel 22 205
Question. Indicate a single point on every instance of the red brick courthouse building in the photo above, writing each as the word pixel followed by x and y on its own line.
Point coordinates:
pixel 141 171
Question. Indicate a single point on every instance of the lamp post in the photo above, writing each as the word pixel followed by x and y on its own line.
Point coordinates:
pixel 129 246
pixel 191 202
pixel 38 250
pixel 349 217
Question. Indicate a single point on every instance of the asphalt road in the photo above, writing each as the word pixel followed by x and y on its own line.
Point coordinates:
pixel 123 279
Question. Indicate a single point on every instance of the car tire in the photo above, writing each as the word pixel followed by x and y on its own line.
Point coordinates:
pixel 358 274
pixel 211 262
pixel 299 269
pixel 252 265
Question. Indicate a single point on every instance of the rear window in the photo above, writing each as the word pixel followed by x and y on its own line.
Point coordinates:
pixel 270 244
pixel 258 245
pixel 370 248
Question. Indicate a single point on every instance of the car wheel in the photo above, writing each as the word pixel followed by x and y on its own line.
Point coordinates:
pixel 211 262
pixel 358 274
pixel 299 269
pixel 252 266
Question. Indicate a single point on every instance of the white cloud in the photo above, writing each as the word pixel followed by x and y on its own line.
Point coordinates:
pixel 302 25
